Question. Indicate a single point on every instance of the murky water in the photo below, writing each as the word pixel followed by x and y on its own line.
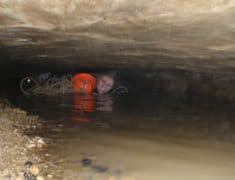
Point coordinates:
pixel 136 137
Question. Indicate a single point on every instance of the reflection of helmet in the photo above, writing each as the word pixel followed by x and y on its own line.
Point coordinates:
pixel 83 83
pixel 84 103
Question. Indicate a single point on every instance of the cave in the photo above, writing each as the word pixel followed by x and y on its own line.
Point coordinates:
pixel 176 119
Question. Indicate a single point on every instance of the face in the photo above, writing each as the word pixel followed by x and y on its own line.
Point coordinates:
pixel 104 84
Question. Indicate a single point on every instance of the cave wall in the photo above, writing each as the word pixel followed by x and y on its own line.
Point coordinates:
pixel 184 84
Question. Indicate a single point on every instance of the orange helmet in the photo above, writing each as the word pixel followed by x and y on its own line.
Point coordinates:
pixel 83 83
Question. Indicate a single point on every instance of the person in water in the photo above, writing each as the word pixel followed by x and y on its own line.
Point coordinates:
pixel 79 83
pixel 85 83
pixel 105 83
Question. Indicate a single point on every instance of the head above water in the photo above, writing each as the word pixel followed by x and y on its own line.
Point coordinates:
pixel 105 83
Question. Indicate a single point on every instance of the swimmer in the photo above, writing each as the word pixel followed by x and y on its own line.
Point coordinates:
pixel 80 83
pixel 108 84
pixel 85 83
pixel 105 83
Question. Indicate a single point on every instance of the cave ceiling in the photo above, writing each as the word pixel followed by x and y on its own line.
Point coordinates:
pixel 185 34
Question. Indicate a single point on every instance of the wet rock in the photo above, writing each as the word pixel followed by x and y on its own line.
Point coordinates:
pixel 100 169
pixel 31 145
pixel 40 143
pixel 19 111
pixel 34 170
pixel 28 176
pixel 86 162
pixel 36 142
pixel 28 164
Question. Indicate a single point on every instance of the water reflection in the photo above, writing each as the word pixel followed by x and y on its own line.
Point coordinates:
pixel 104 103
pixel 83 105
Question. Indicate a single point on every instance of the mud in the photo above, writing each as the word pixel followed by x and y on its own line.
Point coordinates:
pixel 22 156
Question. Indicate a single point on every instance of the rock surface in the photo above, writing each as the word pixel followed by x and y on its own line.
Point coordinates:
pixel 187 34
pixel 16 156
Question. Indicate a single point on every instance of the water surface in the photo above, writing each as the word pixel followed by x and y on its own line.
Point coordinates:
pixel 137 137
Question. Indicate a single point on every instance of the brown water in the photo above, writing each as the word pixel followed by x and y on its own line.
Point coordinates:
pixel 134 137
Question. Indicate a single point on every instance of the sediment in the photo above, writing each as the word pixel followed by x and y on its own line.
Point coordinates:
pixel 22 157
